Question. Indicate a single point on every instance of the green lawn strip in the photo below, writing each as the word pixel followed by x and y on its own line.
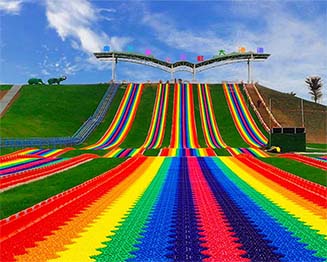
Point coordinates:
pixel 24 196
pixel 313 174
pixel 5 150
pixel 119 247
pixel 290 222
pixel 151 152
pixel 51 111
pixel 197 115
pixel 224 119
pixel 221 152
pixel 139 130
pixel 169 118
pixel 5 87
pixel 316 147
pixel 102 128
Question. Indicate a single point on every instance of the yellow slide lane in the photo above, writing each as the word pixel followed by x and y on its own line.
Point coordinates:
pixel 47 249
pixel 275 193
pixel 88 241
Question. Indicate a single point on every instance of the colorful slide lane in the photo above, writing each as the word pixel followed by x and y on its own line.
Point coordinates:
pixel 306 160
pixel 183 134
pixel 208 119
pixel 241 115
pixel 184 152
pixel 164 209
pixel 23 163
pixel 124 152
pixel 30 175
pixel 158 122
pixel 123 119
pixel 247 151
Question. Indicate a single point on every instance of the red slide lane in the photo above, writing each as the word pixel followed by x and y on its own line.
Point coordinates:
pixel 302 187
pixel 24 229
pixel 306 160
pixel 37 173
pixel 219 240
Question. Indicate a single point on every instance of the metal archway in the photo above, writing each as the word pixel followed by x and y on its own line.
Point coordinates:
pixel 171 68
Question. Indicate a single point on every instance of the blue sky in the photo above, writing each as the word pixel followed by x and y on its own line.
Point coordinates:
pixel 49 38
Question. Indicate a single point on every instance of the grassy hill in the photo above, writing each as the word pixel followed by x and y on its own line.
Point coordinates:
pixel 45 111
pixel 287 110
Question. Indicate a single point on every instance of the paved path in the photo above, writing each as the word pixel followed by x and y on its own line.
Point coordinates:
pixel 5 101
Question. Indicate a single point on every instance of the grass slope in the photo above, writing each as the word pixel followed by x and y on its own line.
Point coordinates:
pixel 308 172
pixel 46 111
pixel 287 110
pixel 139 130
pixel 224 119
pixel 5 87
pixel 24 196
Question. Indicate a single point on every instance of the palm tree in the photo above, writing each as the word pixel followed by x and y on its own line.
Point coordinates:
pixel 315 85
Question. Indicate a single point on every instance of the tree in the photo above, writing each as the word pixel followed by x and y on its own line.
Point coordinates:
pixel 315 85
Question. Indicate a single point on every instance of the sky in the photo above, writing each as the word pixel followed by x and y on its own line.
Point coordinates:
pixel 50 38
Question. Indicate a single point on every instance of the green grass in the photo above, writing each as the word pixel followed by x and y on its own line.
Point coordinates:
pixel 24 196
pixel 316 148
pixel 197 115
pixel 5 151
pixel 51 111
pixel 151 152
pixel 221 152
pixel 139 130
pixel 102 128
pixel 5 87
pixel 224 119
pixel 169 118
pixel 310 173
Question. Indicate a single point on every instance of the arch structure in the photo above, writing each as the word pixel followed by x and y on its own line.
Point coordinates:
pixel 171 68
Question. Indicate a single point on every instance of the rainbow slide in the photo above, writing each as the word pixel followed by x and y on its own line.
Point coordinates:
pixel 243 120
pixel 39 172
pixel 158 122
pixel 123 119
pixel 181 209
pixel 183 134
pixel 247 151
pixel 306 160
pixel 208 119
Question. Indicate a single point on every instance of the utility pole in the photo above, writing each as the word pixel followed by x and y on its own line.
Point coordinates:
pixel 249 71
pixel 302 113
pixel 113 68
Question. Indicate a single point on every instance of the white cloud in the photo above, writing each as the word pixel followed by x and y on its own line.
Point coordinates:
pixel 297 46
pixel 77 20
pixel 11 6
